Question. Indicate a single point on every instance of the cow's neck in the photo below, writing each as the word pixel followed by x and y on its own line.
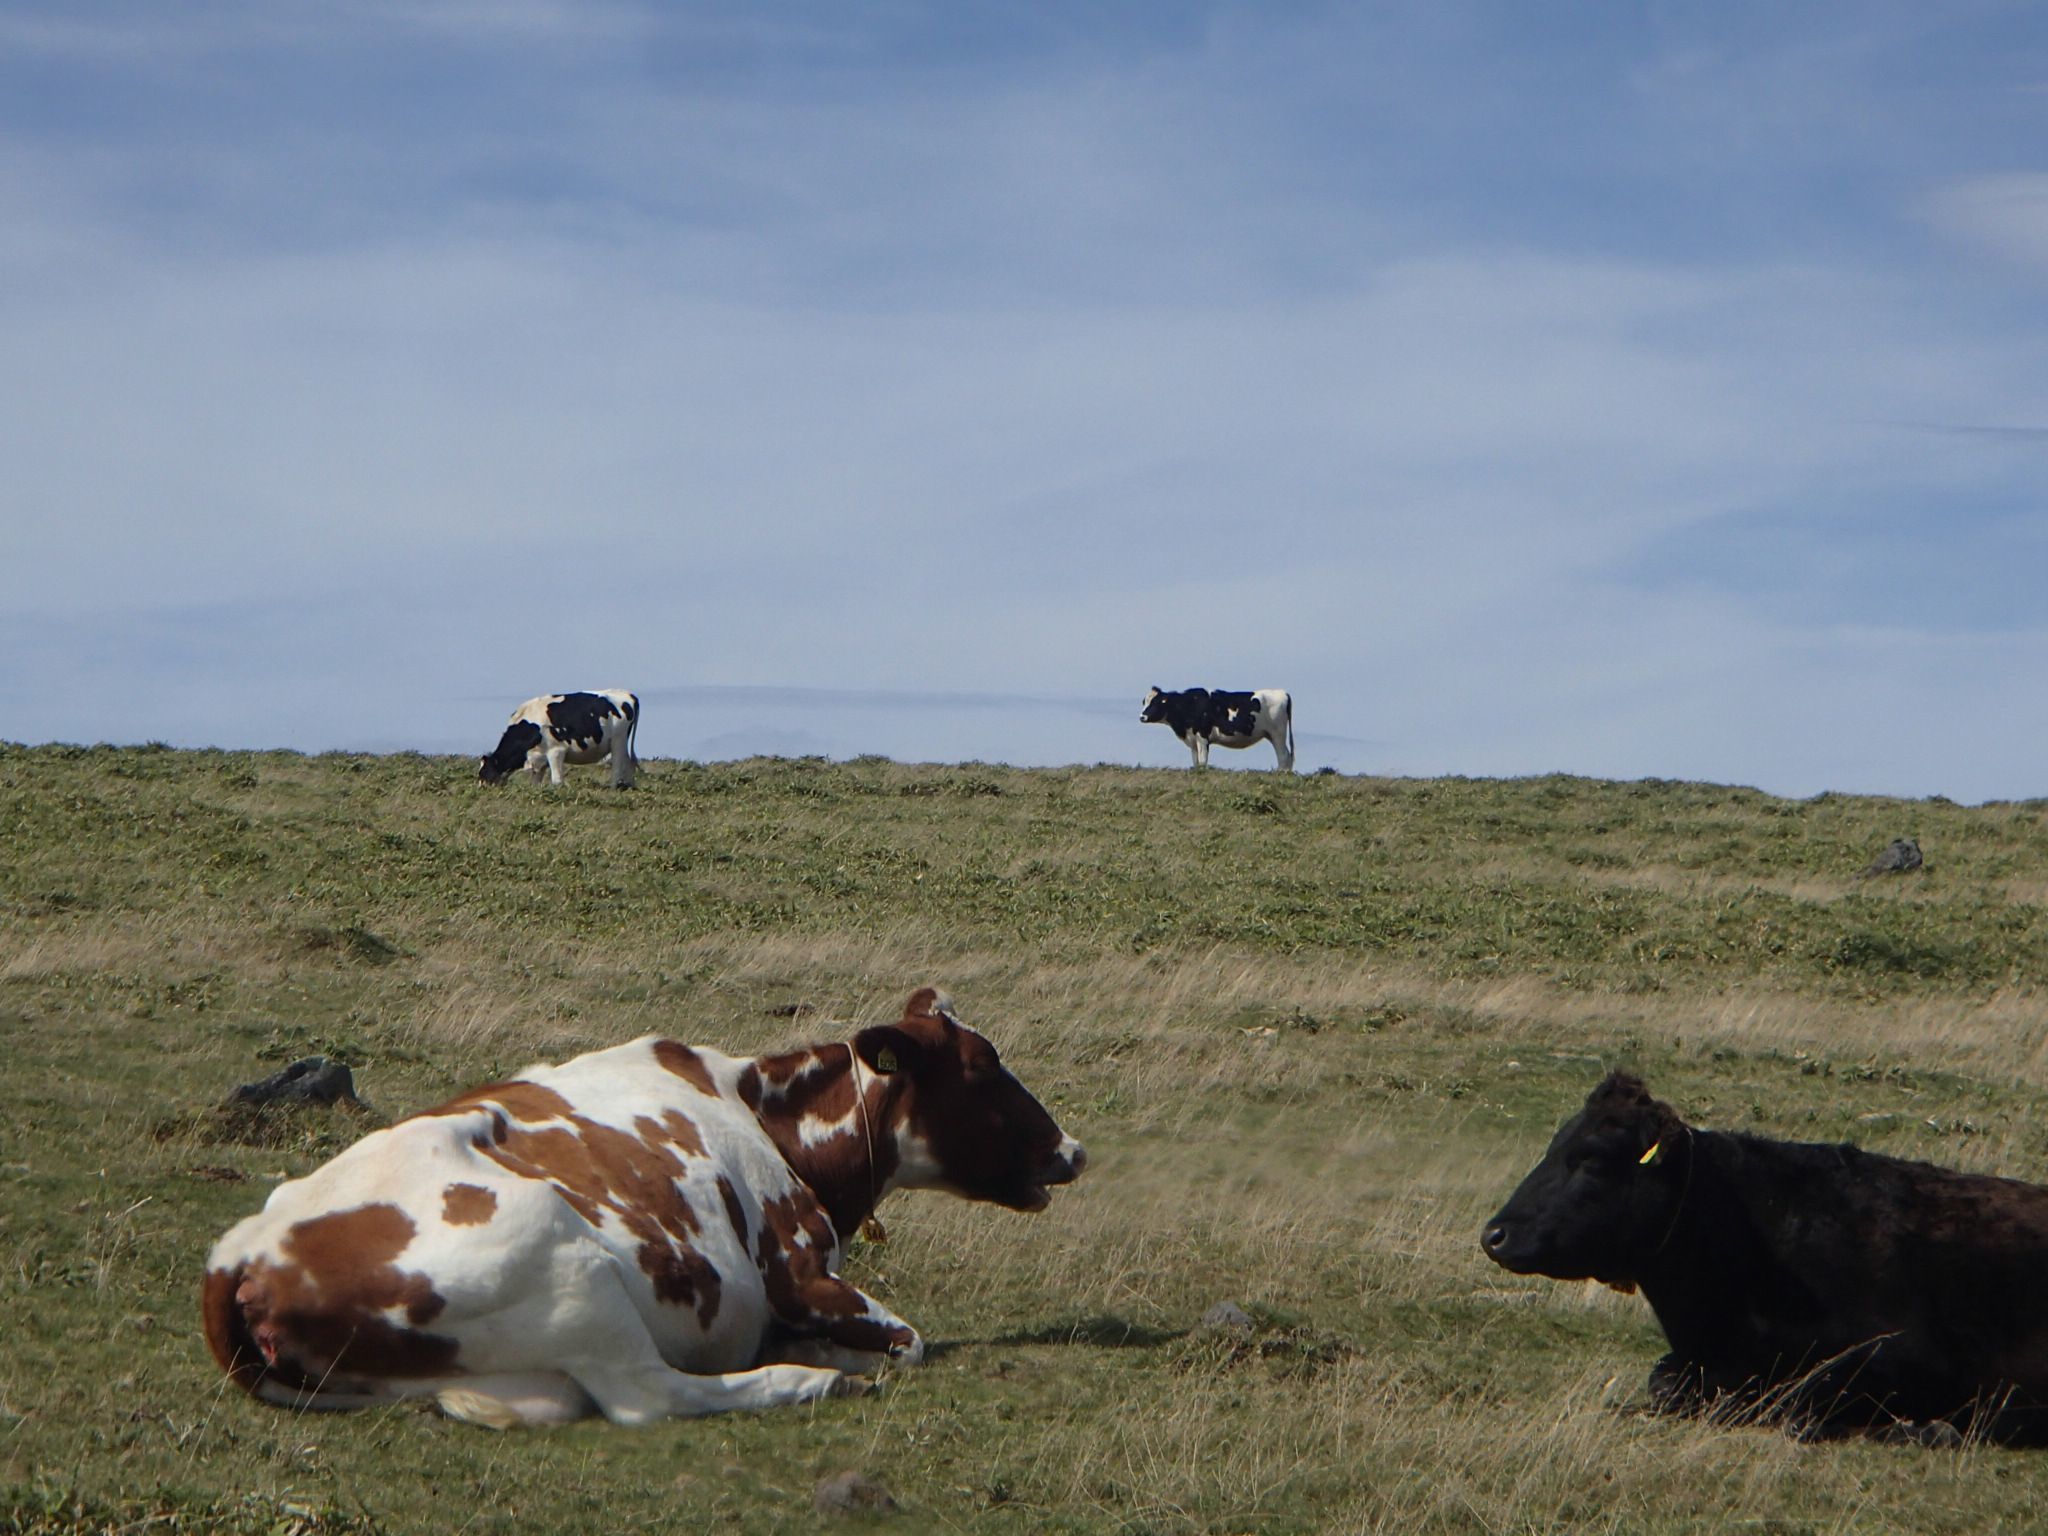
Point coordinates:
pixel 1719 1281
pixel 842 1146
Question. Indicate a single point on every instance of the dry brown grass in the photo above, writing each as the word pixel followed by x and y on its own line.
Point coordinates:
pixel 1303 1090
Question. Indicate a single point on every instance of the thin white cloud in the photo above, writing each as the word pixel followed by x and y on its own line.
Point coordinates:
pixel 2006 215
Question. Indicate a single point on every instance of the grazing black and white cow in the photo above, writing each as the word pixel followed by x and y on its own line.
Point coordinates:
pixel 559 728
pixel 1199 716
pixel 1812 1283
pixel 645 1231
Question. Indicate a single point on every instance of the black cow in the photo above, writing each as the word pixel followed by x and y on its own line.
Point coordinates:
pixel 1815 1284
pixel 1199 716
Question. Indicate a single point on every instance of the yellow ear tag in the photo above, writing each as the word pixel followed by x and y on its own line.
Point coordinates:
pixel 1650 1156
pixel 885 1060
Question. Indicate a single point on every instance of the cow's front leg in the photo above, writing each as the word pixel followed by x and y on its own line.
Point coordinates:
pixel 557 756
pixel 1677 1386
pixel 824 1321
pixel 1196 748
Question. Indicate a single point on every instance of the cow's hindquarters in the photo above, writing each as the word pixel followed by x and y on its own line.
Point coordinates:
pixel 274 1377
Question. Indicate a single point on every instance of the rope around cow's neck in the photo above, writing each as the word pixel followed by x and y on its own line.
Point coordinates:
pixel 871 1228
pixel 1692 1153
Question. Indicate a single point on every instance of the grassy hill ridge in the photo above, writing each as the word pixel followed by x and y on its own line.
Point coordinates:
pixel 1311 1028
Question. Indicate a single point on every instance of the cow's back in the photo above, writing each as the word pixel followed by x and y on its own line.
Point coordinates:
pixel 1956 1260
pixel 1921 1284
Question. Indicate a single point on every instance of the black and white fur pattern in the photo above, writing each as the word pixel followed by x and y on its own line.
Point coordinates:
pixel 1199 716
pixel 558 728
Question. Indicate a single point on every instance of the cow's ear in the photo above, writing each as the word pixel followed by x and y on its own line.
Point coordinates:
pixel 926 1003
pixel 885 1049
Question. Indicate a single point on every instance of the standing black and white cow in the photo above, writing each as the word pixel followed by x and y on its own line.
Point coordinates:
pixel 1199 716
pixel 559 728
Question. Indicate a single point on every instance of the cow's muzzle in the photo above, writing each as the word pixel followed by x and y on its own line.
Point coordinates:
pixel 1508 1244
pixel 1067 1163
pixel 1063 1167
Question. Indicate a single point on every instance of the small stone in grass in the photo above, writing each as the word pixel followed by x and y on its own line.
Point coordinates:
pixel 851 1493
pixel 1227 1314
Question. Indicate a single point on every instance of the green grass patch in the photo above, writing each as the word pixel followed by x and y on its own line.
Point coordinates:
pixel 1312 1031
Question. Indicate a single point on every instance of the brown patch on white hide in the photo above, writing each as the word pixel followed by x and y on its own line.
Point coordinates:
pixel 686 1064
pixel 467 1205
pixel 632 1176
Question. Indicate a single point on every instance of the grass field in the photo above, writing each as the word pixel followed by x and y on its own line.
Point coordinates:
pixel 1312 1031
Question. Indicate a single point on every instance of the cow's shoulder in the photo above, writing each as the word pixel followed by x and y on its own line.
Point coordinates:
pixel 712 1073
pixel 535 710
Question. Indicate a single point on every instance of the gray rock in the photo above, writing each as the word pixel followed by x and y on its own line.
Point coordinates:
pixel 852 1493
pixel 1228 1314
pixel 1904 854
pixel 315 1080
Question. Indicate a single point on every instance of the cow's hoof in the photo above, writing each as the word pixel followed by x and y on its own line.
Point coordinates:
pixel 1676 1387
pixel 849 1385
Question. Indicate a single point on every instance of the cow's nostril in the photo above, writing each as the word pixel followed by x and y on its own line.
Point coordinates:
pixel 1494 1237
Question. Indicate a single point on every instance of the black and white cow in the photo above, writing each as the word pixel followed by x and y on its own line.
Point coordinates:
pixel 559 728
pixel 1199 716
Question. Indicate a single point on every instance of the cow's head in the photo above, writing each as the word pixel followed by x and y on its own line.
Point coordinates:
pixel 963 1122
pixel 1605 1196
pixel 1153 710
pixel 496 766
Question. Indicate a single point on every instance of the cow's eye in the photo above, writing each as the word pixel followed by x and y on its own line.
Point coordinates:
pixel 1599 1157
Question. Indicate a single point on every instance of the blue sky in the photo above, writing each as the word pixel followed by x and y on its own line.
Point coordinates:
pixel 1625 389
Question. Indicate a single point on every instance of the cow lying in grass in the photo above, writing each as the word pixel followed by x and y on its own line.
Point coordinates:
pixel 1817 1284
pixel 649 1230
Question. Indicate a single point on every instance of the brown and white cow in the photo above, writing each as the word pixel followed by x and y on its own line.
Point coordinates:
pixel 648 1230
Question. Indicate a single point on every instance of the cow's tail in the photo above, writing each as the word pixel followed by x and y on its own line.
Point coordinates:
pixel 228 1333
pixel 1290 728
pixel 633 731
